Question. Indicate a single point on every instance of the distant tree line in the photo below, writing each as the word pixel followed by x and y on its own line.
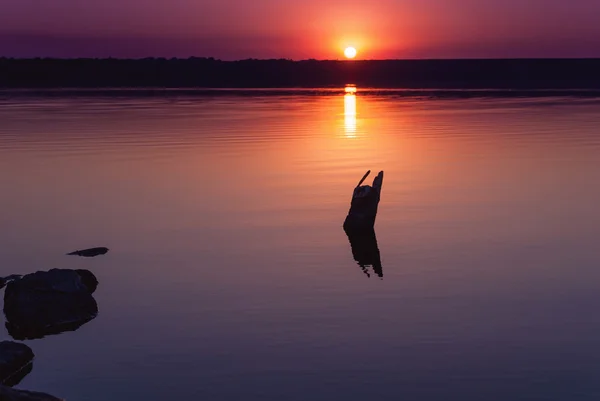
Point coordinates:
pixel 282 73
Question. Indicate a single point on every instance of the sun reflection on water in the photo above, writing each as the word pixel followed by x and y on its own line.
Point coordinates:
pixel 350 111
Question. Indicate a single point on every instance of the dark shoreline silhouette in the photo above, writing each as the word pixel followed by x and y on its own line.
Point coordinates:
pixel 153 73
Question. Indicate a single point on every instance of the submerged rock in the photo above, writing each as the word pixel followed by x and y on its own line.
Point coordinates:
pixel 90 253
pixel 15 362
pixel 49 302
pixel 11 394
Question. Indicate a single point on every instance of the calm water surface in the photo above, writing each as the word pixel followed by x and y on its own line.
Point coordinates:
pixel 230 277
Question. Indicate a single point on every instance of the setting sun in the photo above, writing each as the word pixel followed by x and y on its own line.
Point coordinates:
pixel 350 52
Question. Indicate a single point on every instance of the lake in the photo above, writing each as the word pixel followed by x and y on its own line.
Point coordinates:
pixel 229 276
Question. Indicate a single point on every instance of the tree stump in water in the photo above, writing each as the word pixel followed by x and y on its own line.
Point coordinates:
pixel 360 224
pixel 363 208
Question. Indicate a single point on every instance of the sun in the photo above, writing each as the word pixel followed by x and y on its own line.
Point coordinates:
pixel 350 52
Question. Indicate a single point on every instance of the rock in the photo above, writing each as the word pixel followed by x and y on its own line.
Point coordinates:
pixel 15 362
pixel 49 302
pixel 363 208
pixel 11 394
pixel 90 253
pixel 15 379
pixel 7 279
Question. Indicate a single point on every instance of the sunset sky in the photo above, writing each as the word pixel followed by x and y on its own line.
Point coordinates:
pixel 238 29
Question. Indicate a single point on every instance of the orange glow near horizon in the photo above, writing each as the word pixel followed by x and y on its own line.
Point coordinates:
pixel 273 29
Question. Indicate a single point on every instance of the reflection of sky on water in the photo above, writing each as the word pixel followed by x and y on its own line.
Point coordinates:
pixel 228 261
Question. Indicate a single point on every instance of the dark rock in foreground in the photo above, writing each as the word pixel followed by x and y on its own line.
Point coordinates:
pixel 90 253
pixel 15 362
pixel 7 279
pixel 15 379
pixel 10 394
pixel 49 302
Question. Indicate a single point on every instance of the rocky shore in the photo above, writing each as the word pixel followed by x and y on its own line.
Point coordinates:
pixel 37 305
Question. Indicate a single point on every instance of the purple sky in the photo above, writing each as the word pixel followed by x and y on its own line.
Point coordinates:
pixel 235 29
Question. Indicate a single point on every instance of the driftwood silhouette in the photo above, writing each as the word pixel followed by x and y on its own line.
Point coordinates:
pixel 364 204
pixel 359 224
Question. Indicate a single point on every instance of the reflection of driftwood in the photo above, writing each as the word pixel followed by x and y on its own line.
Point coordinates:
pixel 50 302
pixel 363 208
pixel 365 250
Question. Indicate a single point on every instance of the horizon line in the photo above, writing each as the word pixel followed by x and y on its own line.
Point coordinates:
pixel 302 60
